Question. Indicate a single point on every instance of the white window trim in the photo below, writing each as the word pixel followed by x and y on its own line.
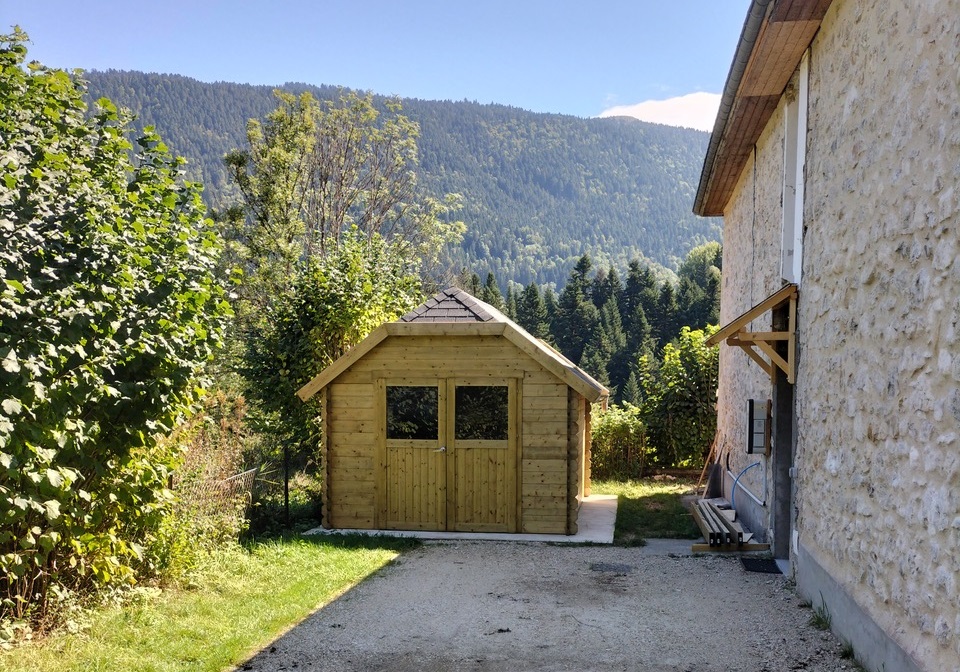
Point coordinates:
pixel 794 159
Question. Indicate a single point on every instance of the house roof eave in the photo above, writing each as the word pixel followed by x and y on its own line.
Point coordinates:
pixel 774 39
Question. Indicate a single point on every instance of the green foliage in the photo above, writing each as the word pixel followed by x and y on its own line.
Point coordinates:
pixel 491 293
pixel 108 313
pixel 532 312
pixel 618 443
pixel 605 326
pixel 333 230
pixel 577 321
pixel 271 177
pixel 240 600
pixel 539 189
pixel 334 302
pixel 211 500
pixel 653 365
pixel 315 169
pixel 679 399
pixel 821 618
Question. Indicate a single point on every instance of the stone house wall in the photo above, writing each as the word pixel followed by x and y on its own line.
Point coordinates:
pixel 878 409
pixel 878 377
pixel 751 272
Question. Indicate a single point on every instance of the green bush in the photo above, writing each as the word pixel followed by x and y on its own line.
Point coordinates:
pixel 334 302
pixel 618 444
pixel 679 399
pixel 108 314
pixel 211 496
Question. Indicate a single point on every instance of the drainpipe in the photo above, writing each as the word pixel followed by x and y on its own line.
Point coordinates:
pixel 736 481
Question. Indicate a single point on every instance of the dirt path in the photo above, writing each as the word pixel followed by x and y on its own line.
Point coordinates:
pixel 511 606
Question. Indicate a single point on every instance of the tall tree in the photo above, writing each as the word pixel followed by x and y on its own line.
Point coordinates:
pixel 532 312
pixel 619 358
pixel 109 312
pixel 606 286
pixel 699 261
pixel 665 317
pixel 511 302
pixel 577 318
pixel 312 171
pixel 698 294
pixel 691 301
pixel 335 301
pixel 491 293
pixel 470 283
pixel 641 290
pixel 328 189
pixel 553 308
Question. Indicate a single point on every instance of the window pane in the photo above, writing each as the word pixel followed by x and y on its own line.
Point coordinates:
pixel 482 412
pixel 412 412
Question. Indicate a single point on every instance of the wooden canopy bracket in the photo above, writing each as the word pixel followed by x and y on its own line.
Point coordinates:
pixel 760 346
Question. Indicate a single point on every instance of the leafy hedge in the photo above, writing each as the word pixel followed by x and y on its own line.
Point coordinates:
pixel 675 420
pixel 679 399
pixel 108 312
pixel 618 444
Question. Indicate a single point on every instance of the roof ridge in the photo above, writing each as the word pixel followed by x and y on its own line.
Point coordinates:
pixel 453 304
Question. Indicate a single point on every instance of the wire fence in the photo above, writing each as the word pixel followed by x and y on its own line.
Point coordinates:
pixel 222 502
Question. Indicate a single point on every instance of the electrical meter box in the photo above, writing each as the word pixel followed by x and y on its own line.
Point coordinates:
pixel 758 426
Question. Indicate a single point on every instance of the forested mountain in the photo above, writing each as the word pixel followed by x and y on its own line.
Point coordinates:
pixel 540 190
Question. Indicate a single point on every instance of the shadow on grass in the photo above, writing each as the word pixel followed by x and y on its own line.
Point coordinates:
pixel 346 541
pixel 654 516
pixel 648 509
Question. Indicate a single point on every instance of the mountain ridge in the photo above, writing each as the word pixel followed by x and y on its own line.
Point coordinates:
pixel 540 189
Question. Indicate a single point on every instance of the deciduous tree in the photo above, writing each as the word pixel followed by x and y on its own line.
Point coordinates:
pixel 108 313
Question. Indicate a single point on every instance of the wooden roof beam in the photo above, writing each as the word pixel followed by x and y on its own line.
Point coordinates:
pixel 778 298
pixel 757 344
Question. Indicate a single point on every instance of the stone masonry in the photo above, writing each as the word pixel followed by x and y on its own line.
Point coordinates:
pixel 878 379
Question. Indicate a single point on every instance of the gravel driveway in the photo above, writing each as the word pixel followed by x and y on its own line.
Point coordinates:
pixel 517 606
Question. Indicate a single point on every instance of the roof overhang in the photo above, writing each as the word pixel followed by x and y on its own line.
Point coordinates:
pixel 774 38
pixel 550 359
pixel 760 344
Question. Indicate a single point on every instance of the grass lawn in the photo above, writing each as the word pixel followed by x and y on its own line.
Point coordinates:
pixel 243 600
pixel 650 509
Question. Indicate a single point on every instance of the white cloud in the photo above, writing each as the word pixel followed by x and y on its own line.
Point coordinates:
pixel 694 110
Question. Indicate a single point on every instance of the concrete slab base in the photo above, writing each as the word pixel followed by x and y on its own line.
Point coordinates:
pixel 595 523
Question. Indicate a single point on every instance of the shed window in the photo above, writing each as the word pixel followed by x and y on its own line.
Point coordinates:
pixel 412 412
pixel 481 412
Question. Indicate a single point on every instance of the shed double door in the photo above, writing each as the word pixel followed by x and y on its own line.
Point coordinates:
pixel 448 454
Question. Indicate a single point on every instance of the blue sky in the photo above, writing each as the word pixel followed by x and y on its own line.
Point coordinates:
pixel 584 58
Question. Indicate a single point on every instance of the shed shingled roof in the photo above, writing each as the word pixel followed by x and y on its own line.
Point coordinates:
pixel 453 312
pixel 453 305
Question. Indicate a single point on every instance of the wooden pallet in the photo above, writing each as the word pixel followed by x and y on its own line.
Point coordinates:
pixel 720 532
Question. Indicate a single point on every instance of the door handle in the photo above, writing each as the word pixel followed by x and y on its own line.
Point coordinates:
pixel 441 449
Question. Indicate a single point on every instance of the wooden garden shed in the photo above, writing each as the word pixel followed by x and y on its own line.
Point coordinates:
pixel 455 418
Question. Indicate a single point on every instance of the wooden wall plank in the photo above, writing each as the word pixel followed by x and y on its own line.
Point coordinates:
pixel 545 452
pixel 545 493
pixel 530 474
pixel 531 466
pixel 352 390
pixel 358 463
pixel 324 456
pixel 539 403
pixel 535 526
